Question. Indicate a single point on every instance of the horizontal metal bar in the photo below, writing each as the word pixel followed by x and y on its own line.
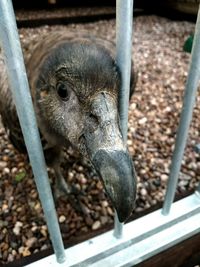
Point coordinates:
pixel 124 23
pixel 141 239
pixel 20 90
pixel 185 119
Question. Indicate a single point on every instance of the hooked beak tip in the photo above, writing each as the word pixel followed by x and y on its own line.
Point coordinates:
pixel 124 213
pixel 116 170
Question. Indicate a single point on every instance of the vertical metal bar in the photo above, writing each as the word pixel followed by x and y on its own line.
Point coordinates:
pixel 124 22
pixel 185 119
pixel 10 44
pixel 197 149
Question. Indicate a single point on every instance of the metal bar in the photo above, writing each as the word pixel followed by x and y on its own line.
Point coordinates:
pixel 185 119
pixel 10 44
pixel 197 150
pixel 160 232
pixel 124 21
pixel 118 227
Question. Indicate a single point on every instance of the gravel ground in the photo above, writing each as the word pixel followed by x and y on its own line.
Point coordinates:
pixel 153 118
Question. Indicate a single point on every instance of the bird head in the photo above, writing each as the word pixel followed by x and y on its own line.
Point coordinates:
pixel 77 99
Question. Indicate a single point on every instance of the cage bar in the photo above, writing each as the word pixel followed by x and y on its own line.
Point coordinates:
pixel 124 23
pixel 185 119
pixel 10 44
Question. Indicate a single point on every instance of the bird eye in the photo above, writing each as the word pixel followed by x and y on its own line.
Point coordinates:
pixel 62 91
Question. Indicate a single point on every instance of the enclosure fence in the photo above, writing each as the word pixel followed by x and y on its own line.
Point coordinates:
pixel 140 239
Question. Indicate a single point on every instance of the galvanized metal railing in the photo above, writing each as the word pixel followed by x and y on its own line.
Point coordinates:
pixel 186 117
pixel 10 44
pixel 131 243
pixel 124 21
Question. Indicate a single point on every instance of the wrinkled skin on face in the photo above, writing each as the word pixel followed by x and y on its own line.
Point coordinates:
pixel 76 100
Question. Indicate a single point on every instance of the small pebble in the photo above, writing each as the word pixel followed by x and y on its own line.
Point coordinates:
pixel 183 183
pixel 96 225
pixel 70 176
pixel 14 252
pixel 26 252
pixel 17 228
pixel 80 168
pixel 6 170
pixel 10 258
pixel 5 158
pixel 62 219
pixel 83 180
pixel 142 121
pixel 43 230
pixel 164 178
pixel 3 164
pixel 104 203
pixel 44 247
pixel 14 170
pixel 37 206
pixel 31 241
pixel 5 208
pixel 104 219
pixel 21 249
pixel 34 228
pixel 143 192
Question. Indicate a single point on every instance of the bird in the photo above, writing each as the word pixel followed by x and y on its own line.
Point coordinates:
pixel 74 82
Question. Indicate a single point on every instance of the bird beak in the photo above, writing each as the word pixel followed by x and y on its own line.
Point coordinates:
pixel 109 155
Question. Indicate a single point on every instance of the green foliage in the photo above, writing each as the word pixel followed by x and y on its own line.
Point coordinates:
pixel 20 176
pixel 188 44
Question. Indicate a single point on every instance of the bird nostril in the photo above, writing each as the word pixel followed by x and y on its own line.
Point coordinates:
pixel 92 123
pixel 93 118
